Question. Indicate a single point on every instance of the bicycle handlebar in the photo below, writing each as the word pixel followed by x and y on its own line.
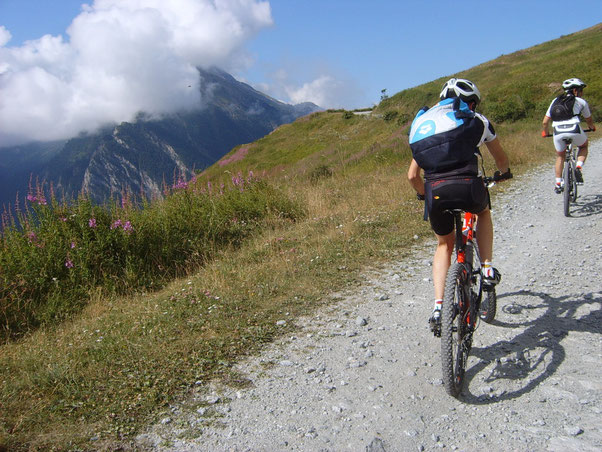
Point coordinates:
pixel 497 176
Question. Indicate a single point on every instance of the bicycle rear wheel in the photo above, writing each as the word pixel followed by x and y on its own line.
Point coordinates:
pixel 455 337
pixel 566 194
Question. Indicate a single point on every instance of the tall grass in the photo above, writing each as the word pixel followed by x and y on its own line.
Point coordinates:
pixel 60 251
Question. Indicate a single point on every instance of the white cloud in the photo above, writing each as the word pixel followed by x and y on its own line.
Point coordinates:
pixel 4 35
pixel 122 57
pixel 321 91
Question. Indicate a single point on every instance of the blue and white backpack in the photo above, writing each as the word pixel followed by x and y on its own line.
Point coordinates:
pixel 446 136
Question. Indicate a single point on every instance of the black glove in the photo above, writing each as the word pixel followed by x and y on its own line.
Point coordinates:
pixel 419 197
pixel 497 176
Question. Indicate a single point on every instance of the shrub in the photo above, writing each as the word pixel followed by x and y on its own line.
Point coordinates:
pixel 320 172
pixel 390 115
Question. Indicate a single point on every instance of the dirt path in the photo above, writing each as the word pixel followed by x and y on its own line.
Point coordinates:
pixel 366 374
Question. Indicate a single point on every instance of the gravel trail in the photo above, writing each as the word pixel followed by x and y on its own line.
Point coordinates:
pixel 365 374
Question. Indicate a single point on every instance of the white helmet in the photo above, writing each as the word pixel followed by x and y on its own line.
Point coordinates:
pixel 573 83
pixel 462 88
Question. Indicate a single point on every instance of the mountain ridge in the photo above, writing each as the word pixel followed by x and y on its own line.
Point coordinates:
pixel 143 155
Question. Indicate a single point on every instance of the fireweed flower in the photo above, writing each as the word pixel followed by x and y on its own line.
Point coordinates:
pixel 116 224
pixel 92 222
pixel 127 227
pixel 181 184
pixel 72 245
pixel 31 236
pixel 40 200
pixel 68 263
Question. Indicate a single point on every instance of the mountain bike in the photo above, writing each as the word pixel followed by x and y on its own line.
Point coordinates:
pixel 465 299
pixel 569 189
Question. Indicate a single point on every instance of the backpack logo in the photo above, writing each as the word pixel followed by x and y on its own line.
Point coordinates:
pixel 426 129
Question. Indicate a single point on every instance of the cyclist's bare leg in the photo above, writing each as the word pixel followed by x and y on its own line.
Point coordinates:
pixel 559 164
pixel 485 235
pixel 582 155
pixel 442 261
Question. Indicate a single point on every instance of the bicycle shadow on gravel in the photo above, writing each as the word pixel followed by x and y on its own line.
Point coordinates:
pixel 587 206
pixel 537 352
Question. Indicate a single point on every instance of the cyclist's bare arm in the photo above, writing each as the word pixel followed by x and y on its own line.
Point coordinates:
pixel 415 178
pixel 501 159
pixel 545 126
pixel 590 123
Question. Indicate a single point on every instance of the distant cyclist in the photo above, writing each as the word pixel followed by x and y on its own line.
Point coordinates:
pixel 445 141
pixel 564 112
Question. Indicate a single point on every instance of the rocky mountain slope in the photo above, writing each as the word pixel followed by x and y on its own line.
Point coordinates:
pixel 144 154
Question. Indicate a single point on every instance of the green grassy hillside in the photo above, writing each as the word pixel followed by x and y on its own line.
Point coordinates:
pixel 516 89
pixel 93 381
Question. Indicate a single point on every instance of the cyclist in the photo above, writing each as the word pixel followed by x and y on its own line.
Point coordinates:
pixel 569 128
pixel 455 183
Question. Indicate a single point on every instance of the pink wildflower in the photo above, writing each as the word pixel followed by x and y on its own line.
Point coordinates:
pixel 72 245
pixel 92 222
pixel 180 185
pixel 116 224
pixel 68 263
pixel 127 227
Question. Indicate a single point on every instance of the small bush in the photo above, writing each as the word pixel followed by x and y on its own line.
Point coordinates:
pixel 390 115
pixel 320 172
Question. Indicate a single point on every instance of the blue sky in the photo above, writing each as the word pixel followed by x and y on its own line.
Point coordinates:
pixel 336 53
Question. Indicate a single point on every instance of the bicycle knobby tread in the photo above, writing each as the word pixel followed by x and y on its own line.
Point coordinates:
pixel 456 275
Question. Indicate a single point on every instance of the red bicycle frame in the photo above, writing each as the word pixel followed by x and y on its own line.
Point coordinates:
pixel 467 234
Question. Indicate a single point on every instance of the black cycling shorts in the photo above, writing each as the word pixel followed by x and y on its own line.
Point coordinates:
pixel 469 194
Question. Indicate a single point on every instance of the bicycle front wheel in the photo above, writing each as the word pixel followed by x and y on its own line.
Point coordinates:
pixel 573 184
pixel 455 340
pixel 566 194
pixel 488 305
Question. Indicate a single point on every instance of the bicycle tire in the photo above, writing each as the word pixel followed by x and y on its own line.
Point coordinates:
pixel 454 350
pixel 573 183
pixel 566 194
pixel 488 306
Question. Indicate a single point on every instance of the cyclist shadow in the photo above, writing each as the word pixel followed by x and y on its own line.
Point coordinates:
pixel 536 353
pixel 587 206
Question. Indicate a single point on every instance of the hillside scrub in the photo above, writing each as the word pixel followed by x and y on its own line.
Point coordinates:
pixel 63 251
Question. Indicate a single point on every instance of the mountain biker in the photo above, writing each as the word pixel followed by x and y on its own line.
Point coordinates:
pixel 569 128
pixel 458 185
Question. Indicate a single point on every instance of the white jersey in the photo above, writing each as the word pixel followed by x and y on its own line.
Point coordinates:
pixel 580 107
